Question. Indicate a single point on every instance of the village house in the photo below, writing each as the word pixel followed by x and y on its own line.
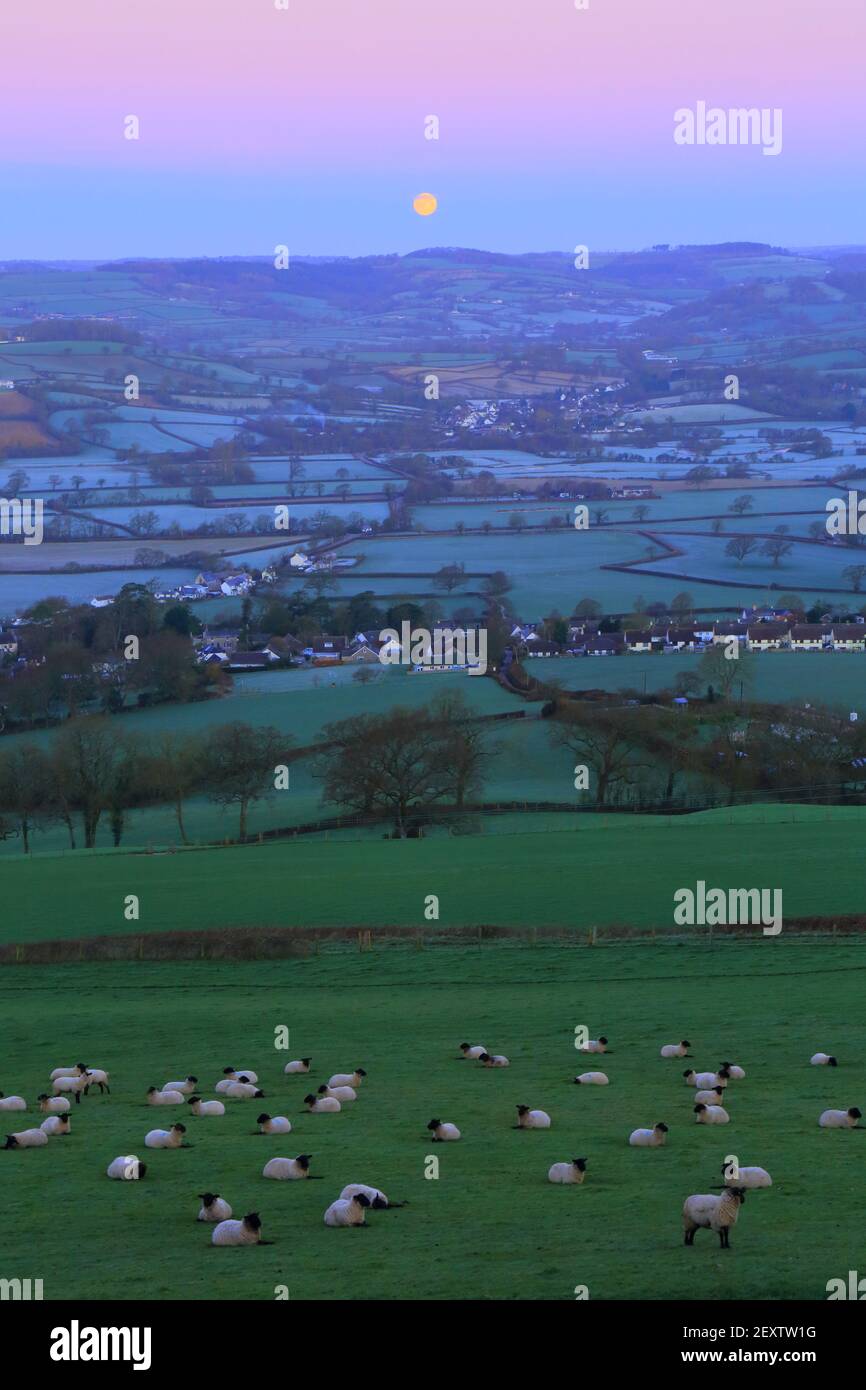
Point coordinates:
pixel 362 651
pixel 766 637
pixel 233 585
pixel 810 637
pixel 639 641
pixel 102 600
pixel 542 646
pixel 251 661
pixel 849 637
pixel 607 644
pixel 326 650
pixel 725 629
pixel 682 639
pixel 8 643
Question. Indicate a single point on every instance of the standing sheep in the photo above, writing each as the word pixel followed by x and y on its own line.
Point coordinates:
pixel 713 1213
pixel 532 1119
pixel 71 1085
pixel 97 1077
pixel 653 1138
pixel 574 1171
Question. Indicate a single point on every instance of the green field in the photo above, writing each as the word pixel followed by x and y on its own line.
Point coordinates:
pixel 606 870
pixel 490 1226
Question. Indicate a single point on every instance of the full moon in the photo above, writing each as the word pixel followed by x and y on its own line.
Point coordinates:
pixel 425 204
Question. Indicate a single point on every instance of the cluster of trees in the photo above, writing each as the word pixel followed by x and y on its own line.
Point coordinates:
pixel 89 773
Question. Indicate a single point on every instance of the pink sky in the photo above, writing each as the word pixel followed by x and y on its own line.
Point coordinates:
pixel 532 96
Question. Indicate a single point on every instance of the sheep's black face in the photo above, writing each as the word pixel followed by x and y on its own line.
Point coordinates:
pixel 485 1057
pixel 464 1047
pixel 688 1072
pixel 855 1113
pixel 604 1041
pixel 379 1203
pixel 42 1097
pixel 228 1071
pixel 306 1061
pixel 662 1128
pixel 208 1198
pixel 193 1079
pixel 523 1109
pixel 309 1100
pixel 303 1160
pixel 831 1062
pixel 685 1043
pixel 323 1090
pixel 260 1095
pixel 360 1071
pixel 142 1169
pixel 263 1119
pixel 739 1193
pixel 361 1200
pixel 194 1100
pixel 253 1221
pixel 179 1129
pixel 700 1108
pixel 580 1164
pixel 434 1124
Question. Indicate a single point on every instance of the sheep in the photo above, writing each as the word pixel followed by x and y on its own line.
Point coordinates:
pixel 15 1102
pixel 823 1059
pixel 706 1079
pixel 97 1077
pixel 345 1094
pixel 288 1169
pixel 594 1045
pixel 377 1199
pixel 186 1088
pixel 532 1119
pixel 246 1232
pixel 166 1138
pixel 352 1212
pixel 322 1105
pixel 344 1079
pixel 472 1051
pixel 747 1177
pixel 244 1090
pixel 443 1133
pixel 53 1105
pixel 592 1078
pixel 156 1097
pixel 274 1124
pixel 78 1070
pixel 56 1124
pixel 680 1049
pixel 841 1119
pixel 573 1171
pixel 711 1115
pixel 488 1059
pixel 205 1108
pixel 240 1074
pixel 72 1085
pixel 653 1138
pixel 713 1213
pixel 713 1097
pixel 213 1208
pixel 26 1139
pixel 129 1167
pixel 730 1069
pixel 301 1064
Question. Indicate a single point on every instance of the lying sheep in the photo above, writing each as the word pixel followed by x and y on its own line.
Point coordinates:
pixel 351 1212
pixel 157 1097
pixel 246 1232
pixel 322 1105
pixel 244 1090
pixel 26 1139
pixel 128 1167
pixel 705 1079
pixel 747 1177
pixel 713 1097
pixel 288 1169
pixel 841 1119
pixel 186 1087
pixel 713 1213
pixel 574 1171
pixel 15 1102
pixel 594 1045
pixel 166 1138
pixel 53 1105
pixel 345 1079
pixel 711 1115
pixel 472 1051
pixel 823 1059
pixel 730 1069
pixel 532 1119
pixel 377 1199
pixel 443 1133
pixel 274 1124
pixel 240 1074
pixel 213 1207
pixel 206 1108
pixel 344 1094
pixel 680 1049
pixel 488 1059
pixel 301 1064
pixel 56 1124
pixel 653 1138
pixel 591 1078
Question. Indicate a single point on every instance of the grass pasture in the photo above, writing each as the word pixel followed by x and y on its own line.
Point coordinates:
pixel 490 1226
